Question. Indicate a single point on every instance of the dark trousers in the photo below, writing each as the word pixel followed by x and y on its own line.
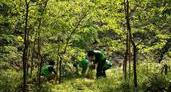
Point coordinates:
pixel 100 71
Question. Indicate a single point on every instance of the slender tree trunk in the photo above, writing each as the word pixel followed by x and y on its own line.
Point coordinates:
pixel 130 41
pixel 32 57
pixel 39 59
pixel 60 70
pixel 31 63
pixel 28 63
pixel 129 35
pixel 128 45
pixel 125 60
pixel 39 54
pixel 25 51
pixel 57 71
pixel 135 52
pixel 57 63
pixel 42 9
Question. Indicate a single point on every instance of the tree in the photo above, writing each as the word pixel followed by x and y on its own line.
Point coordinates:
pixel 42 8
pixel 129 42
pixel 26 45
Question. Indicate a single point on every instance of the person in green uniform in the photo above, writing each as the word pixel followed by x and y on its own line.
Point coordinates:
pixel 48 70
pixel 99 60
pixel 84 65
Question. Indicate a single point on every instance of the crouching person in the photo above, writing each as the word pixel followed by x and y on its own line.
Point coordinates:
pixel 99 62
pixel 48 72
pixel 87 68
pixel 84 66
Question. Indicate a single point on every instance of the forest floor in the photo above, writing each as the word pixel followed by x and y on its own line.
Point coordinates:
pixel 149 76
pixel 109 84
pixel 114 81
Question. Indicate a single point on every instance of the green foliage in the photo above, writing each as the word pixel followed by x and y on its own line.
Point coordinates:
pixel 125 87
pixel 45 87
pixel 68 29
pixel 155 83
pixel 10 80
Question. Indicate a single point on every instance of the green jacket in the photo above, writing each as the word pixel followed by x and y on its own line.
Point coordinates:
pixel 46 70
pixel 99 56
pixel 83 63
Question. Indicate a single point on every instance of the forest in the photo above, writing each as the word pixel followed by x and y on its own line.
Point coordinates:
pixel 85 45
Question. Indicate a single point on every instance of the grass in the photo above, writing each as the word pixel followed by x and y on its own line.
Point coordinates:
pixel 113 83
pixel 108 84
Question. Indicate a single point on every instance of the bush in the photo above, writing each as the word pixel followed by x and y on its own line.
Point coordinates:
pixel 155 83
pixel 9 80
pixel 45 87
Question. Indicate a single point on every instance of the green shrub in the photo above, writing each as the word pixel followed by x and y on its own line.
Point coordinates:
pixel 9 80
pixel 46 87
pixel 155 83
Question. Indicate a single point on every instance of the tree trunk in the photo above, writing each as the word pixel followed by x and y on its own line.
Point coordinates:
pixel 32 58
pixel 25 51
pixel 57 63
pixel 130 41
pixel 42 9
pixel 57 71
pixel 28 63
pixel 129 35
pixel 39 60
pixel 135 65
pixel 60 70
pixel 125 60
